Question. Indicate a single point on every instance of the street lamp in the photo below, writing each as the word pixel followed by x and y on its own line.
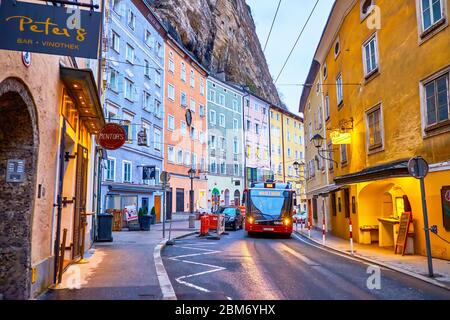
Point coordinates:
pixel 318 141
pixel 191 174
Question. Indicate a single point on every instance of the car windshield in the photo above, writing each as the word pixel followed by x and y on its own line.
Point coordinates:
pixel 227 211
pixel 270 204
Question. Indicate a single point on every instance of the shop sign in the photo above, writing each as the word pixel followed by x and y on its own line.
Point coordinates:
pixel 64 31
pixel 130 213
pixel 111 137
pixel 149 173
pixel 338 138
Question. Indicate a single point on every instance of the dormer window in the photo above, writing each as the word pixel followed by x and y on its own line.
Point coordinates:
pixel 337 48
pixel 366 8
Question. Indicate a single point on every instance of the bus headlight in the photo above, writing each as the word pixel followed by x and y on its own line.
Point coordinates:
pixel 251 220
pixel 287 221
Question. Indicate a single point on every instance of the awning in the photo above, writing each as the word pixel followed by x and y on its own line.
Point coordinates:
pixel 81 86
pixel 137 189
pixel 324 191
pixel 394 169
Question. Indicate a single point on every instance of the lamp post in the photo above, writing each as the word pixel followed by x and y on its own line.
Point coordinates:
pixel 191 173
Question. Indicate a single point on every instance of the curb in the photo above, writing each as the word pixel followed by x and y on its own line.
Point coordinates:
pixel 163 278
pixel 376 262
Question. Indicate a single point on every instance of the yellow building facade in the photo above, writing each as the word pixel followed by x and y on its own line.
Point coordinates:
pixel 287 147
pixel 383 72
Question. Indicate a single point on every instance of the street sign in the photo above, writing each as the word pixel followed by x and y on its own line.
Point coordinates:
pixel 165 176
pixel 49 29
pixel 418 167
pixel 111 137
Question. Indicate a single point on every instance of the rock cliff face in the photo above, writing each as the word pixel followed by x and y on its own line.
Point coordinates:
pixel 222 35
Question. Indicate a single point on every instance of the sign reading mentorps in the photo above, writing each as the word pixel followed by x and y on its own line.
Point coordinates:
pixel 49 29
pixel 111 137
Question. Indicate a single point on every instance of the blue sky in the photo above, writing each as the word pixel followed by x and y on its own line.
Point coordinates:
pixel 291 18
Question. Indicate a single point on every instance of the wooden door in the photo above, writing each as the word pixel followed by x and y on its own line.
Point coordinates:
pixel 80 200
pixel 158 208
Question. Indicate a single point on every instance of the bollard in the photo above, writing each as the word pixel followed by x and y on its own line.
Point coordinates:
pixel 83 237
pixel 323 230
pixel 309 229
pixel 351 235
pixel 61 257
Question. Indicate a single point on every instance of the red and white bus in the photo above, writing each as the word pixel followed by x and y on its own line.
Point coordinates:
pixel 269 208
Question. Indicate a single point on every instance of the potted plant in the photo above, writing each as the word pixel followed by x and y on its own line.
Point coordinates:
pixel 153 215
pixel 145 219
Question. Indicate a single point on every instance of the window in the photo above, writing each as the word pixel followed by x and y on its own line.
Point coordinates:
pixel 171 92
pixel 431 13
pixel 170 123
pixel 325 71
pixel 126 172
pixel 180 157
pixel 223 168
pixel 249 150
pixel 337 48
pixel 343 153
pixel 192 79
pixel 148 39
pixel 117 6
pixel 183 98
pixel 236 170
pixel 146 129
pixel 374 128
pixel 289 153
pixel 235 125
pixel 221 100
pixel 201 137
pixel 223 143
pixel 130 54
pixel 171 154
pixel 126 125
pixel 192 107
pixel 202 111
pixel 187 159
pixel 171 66
pixel 436 94
pixel 235 146
pixel 366 6
pixel 129 90
pixel 213 166
pixel 202 87
pixel 193 134
pixel 158 78
pixel 183 128
pixel 183 72
pixel 213 142
pixel 235 106
pixel 212 117
pixel 110 169
pixel 249 125
pixel 339 89
pixel 257 131
pixel 222 120
pixel 159 51
pixel 212 96
pixel 147 69
pixel 131 20
pixel 113 80
pixel 327 108
pixel 370 56
pixel 288 136
pixel 157 139
pixel 158 109
pixel 194 161
pixel 115 42
pixel 147 102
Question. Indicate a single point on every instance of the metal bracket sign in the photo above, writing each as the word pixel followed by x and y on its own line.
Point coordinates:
pixel 65 31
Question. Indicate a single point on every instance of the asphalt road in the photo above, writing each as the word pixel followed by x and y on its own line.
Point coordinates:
pixel 270 268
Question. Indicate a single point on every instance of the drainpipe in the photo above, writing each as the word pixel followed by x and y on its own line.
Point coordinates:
pixel 282 147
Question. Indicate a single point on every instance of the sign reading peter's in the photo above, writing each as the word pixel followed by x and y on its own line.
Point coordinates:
pixel 49 29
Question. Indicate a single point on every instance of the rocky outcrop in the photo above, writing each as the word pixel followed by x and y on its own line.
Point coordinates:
pixel 222 35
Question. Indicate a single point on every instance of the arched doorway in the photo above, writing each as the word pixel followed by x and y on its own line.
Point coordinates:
pixel 227 197
pixel 18 157
pixel 237 198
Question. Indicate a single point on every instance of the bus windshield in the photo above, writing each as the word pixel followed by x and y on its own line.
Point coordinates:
pixel 270 204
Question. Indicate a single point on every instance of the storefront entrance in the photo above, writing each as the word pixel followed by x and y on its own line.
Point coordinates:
pixel 180 200
pixel 18 160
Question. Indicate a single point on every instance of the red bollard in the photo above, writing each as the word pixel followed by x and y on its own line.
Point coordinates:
pixel 204 226
pixel 323 230
pixel 213 221
pixel 351 235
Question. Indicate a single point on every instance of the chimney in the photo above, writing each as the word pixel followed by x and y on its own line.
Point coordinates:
pixel 221 76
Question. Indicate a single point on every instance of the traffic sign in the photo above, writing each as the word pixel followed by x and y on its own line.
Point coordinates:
pixel 418 167
pixel 165 176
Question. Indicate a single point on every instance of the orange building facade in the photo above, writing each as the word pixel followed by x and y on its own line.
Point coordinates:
pixel 185 128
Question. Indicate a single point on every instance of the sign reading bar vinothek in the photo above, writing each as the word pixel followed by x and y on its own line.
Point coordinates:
pixel 49 29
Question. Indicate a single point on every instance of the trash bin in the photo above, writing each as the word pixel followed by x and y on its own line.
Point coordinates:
pixel 104 225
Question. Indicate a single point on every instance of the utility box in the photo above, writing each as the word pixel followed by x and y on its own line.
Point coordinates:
pixel 105 226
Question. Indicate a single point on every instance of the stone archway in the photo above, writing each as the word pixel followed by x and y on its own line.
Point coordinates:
pixel 18 140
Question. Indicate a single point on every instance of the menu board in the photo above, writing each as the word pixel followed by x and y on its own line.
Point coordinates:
pixel 402 238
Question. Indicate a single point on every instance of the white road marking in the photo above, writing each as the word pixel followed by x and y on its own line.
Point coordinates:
pixel 306 260
pixel 215 268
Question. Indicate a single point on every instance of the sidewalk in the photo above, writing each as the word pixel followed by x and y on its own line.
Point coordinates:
pixel 416 265
pixel 120 270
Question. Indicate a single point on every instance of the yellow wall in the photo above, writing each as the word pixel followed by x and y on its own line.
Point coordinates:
pixel 404 61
